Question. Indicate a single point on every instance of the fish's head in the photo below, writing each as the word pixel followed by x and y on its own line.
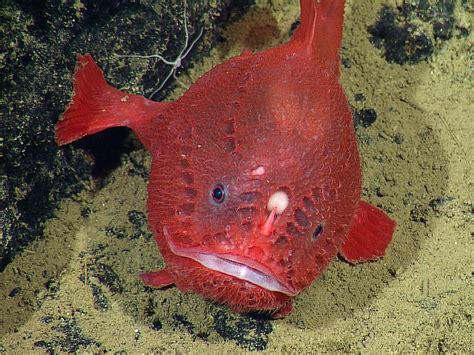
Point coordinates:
pixel 255 186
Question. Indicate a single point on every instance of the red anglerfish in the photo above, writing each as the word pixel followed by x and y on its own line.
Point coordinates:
pixel 255 182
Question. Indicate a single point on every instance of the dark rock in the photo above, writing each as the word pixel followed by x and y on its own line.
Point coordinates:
pixel 180 321
pixel 248 332
pixel 403 43
pixel 101 301
pixel 15 291
pixel 47 319
pixel 39 42
pixel 156 325
pixel 359 97
pixel 365 117
pixel 404 39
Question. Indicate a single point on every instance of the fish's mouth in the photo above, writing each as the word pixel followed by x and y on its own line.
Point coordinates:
pixel 240 267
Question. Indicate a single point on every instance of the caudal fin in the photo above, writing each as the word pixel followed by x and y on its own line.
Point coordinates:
pixel 96 106
pixel 370 234
pixel 321 30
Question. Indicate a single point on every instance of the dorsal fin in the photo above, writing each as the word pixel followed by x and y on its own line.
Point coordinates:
pixel 321 30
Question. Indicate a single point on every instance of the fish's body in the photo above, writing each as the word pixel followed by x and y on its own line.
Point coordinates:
pixel 255 181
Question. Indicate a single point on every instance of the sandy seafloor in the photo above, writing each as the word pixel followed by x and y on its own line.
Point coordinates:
pixel 417 163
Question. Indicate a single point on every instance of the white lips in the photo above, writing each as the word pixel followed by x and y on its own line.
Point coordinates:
pixel 239 267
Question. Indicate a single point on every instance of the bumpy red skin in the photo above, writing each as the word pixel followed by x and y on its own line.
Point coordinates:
pixel 282 109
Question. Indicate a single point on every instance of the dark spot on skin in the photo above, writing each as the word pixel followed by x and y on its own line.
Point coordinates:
pixel 185 134
pixel 330 242
pixel 222 239
pixel 290 274
pixel 229 127
pixel 185 150
pixel 187 178
pixel 320 260
pixel 229 145
pixel 282 240
pixel 317 232
pixel 187 209
pixel 249 197
pixel 291 229
pixel 317 194
pixel 183 163
pixel 246 226
pixel 440 14
pixel 246 212
pixel 330 193
pixel 236 157
pixel 190 192
pixel 302 219
pixel 309 205
pixel 256 183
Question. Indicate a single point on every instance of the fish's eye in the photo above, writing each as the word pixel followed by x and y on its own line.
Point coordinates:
pixel 218 193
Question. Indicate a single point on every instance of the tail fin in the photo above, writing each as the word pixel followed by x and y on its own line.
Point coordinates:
pixel 369 235
pixel 97 106
pixel 321 30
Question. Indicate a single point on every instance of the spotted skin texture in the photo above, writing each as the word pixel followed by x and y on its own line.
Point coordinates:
pixel 281 113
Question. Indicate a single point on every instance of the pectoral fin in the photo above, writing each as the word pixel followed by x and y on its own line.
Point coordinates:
pixel 158 279
pixel 370 234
